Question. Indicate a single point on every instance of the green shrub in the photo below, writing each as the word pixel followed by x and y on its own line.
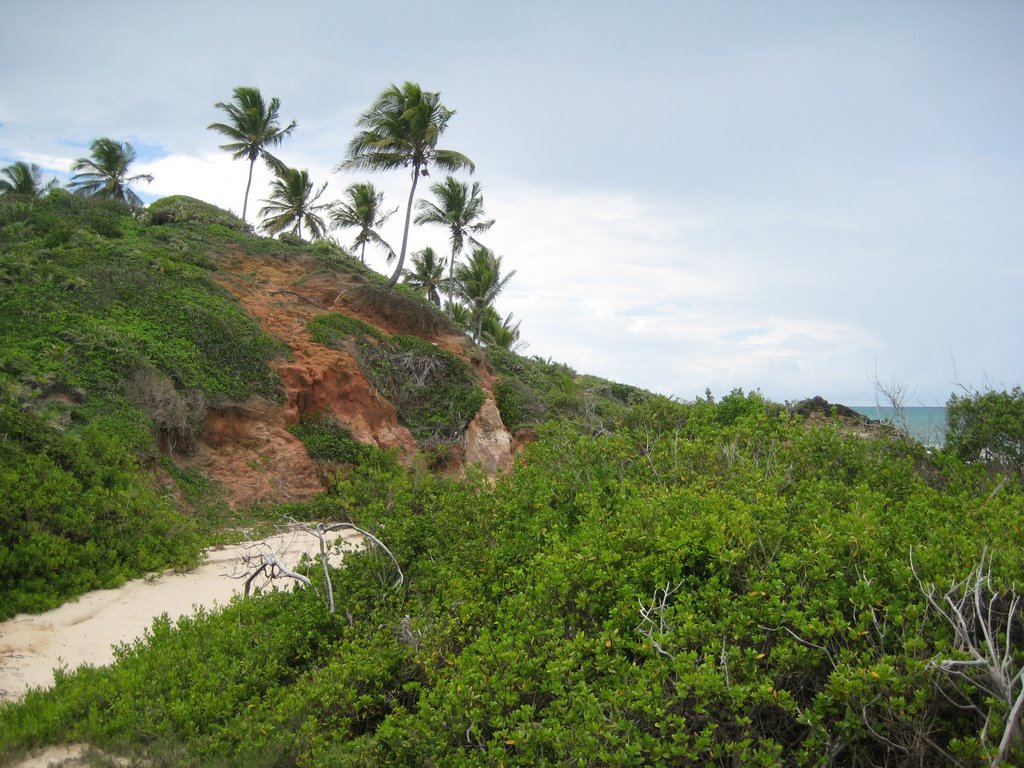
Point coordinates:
pixel 531 390
pixel 327 440
pixel 334 329
pixel 734 587
pixel 180 209
pixel 434 392
pixel 988 427
pixel 78 515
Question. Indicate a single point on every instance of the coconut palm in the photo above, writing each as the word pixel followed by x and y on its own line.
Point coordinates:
pixel 24 179
pixel 400 130
pixel 105 172
pixel 362 209
pixel 459 315
pixel 292 204
pixel 427 274
pixel 478 283
pixel 500 331
pixel 460 209
pixel 252 127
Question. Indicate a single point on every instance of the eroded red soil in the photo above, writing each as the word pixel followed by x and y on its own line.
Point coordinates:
pixel 246 447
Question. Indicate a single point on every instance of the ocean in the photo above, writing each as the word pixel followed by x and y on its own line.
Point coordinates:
pixel 926 424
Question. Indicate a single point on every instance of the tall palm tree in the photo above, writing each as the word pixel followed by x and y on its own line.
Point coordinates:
pixel 427 274
pixel 252 128
pixel 292 203
pixel 478 283
pixel 400 130
pixel 105 172
pixel 25 179
pixel 460 208
pixel 362 209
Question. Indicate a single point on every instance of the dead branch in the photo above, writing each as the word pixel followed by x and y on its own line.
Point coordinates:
pixel 297 295
pixel 263 562
pixel 986 632
pixel 652 624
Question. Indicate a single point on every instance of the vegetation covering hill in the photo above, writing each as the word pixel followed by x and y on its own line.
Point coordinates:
pixel 120 340
pixel 655 583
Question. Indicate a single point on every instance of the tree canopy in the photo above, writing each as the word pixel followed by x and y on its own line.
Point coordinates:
pixel 21 178
pixel 427 274
pixel 252 127
pixel 460 209
pixel 105 172
pixel 293 204
pixel 478 282
pixel 362 209
pixel 400 130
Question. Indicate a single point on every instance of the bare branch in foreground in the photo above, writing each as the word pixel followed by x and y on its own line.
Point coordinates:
pixel 987 632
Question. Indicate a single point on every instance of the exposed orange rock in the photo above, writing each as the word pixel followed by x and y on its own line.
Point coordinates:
pixel 487 442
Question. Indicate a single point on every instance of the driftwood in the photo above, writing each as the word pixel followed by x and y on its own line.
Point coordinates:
pixel 263 562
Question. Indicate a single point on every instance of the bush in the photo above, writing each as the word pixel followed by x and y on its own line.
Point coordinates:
pixel 181 209
pixel 988 427
pixel 434 392
pixel 732 588
pixel 328 441
pixel 176 417
pixel 78 514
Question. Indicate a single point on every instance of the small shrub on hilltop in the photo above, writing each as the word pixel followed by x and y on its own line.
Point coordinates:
pixel 180 209
pixel 529 391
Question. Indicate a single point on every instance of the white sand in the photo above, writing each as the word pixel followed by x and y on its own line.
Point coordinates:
pixel 85 631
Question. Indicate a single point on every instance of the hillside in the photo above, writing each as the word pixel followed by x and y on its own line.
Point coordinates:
pixel 224 371
pixel 651 582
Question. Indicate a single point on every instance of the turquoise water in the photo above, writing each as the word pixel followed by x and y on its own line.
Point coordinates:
pixel 925 424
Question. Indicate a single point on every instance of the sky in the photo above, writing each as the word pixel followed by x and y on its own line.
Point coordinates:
pixel 799 198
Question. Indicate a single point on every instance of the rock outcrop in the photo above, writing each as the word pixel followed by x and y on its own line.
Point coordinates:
pixel 487 442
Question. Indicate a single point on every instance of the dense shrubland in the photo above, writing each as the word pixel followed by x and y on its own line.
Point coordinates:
pixel 655 583
pixel 698 584
pixel 116 341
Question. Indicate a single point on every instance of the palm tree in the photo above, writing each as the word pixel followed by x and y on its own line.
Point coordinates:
pixel 105 172
pixel 292 204
pixel 478 283
pixel 459 315
pixel 500 331
pixel 362 209
pixel 460 208
pixel 252 128
pixel 427 275
pixel 401 130
pixel 25 179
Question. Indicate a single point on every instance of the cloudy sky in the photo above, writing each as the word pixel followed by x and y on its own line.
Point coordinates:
pixel 800 198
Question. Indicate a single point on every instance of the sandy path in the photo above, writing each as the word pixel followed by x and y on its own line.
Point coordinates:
pixel 85 631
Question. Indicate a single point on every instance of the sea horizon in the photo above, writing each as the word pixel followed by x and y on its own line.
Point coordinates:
pixel 926 424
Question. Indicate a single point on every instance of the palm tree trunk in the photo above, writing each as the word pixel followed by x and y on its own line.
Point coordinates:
pixel 451 278
pixel 408 220
pixel 245 203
